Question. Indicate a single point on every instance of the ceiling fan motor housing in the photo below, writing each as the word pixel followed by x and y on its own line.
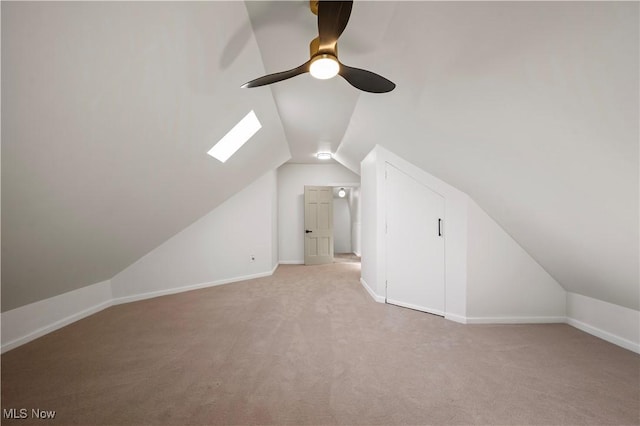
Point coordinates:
pixel 314 49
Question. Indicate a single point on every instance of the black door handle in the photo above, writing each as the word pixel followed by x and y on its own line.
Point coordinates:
pixel 306 231
pixel 439 230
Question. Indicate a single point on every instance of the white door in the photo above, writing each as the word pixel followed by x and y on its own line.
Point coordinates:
pixel 318 225
pixel 415 244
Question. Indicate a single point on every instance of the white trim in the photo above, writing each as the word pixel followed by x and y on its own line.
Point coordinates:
pixel 587 328
pixel 291 262
pixel 357 253
pixel 614 323
pixel 604 335
pixel 375 297
pixel 516 320
pixel 415 307
pixel 26 323
pixel 456 318
pixel 174 290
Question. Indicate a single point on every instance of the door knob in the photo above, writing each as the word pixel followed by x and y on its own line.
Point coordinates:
pixel 306 231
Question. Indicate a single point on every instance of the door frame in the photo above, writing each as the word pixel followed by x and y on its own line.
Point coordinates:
pixel 334 185
pixel 373 237
pixel 384 183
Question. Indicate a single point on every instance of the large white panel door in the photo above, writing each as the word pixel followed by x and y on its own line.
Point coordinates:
pixel 318 225
pixel 415 244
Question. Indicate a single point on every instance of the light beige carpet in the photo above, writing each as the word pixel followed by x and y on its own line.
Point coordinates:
pixel 345 258
pixel 309 346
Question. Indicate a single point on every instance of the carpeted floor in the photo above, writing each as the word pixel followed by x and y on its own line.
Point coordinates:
pixel 309 346
pixel 345 258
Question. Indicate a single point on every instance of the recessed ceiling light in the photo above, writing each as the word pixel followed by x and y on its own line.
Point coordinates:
pixel 342 193
pixel 324 156
pixel 236 137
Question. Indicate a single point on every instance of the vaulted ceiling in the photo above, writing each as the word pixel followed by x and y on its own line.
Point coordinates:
pixel 529 107
pixel 108 109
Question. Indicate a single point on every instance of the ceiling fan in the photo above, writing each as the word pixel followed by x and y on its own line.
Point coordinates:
pixel 324 64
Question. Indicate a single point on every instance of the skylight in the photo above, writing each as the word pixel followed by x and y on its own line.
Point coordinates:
pixel 236 137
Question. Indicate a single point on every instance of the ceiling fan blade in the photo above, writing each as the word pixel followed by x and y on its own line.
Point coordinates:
pixel 332 20
pixel 366 80
pixel 279 76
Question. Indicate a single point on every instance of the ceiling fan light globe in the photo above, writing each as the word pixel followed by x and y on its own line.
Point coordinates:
pixel 324 67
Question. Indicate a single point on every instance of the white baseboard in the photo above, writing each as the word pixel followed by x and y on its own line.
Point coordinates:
pixel 291 262
pixel 175 290
pixel 605 335
pixel 515 320
pixel 375 297
pixel 415 307
pixel 456 318
pixel 26 323
pixel 614 323
pixel 587 328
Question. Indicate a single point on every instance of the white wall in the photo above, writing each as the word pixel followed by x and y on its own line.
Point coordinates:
pixel 356 220
pixel 341 226
pixel 291 181
pixel 274 220
pixel 503 282
pixel 369 213
pixel 215 249
pixel 614 323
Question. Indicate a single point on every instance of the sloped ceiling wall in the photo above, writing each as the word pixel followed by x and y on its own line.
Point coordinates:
pixel 532 109
pixel 108 111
